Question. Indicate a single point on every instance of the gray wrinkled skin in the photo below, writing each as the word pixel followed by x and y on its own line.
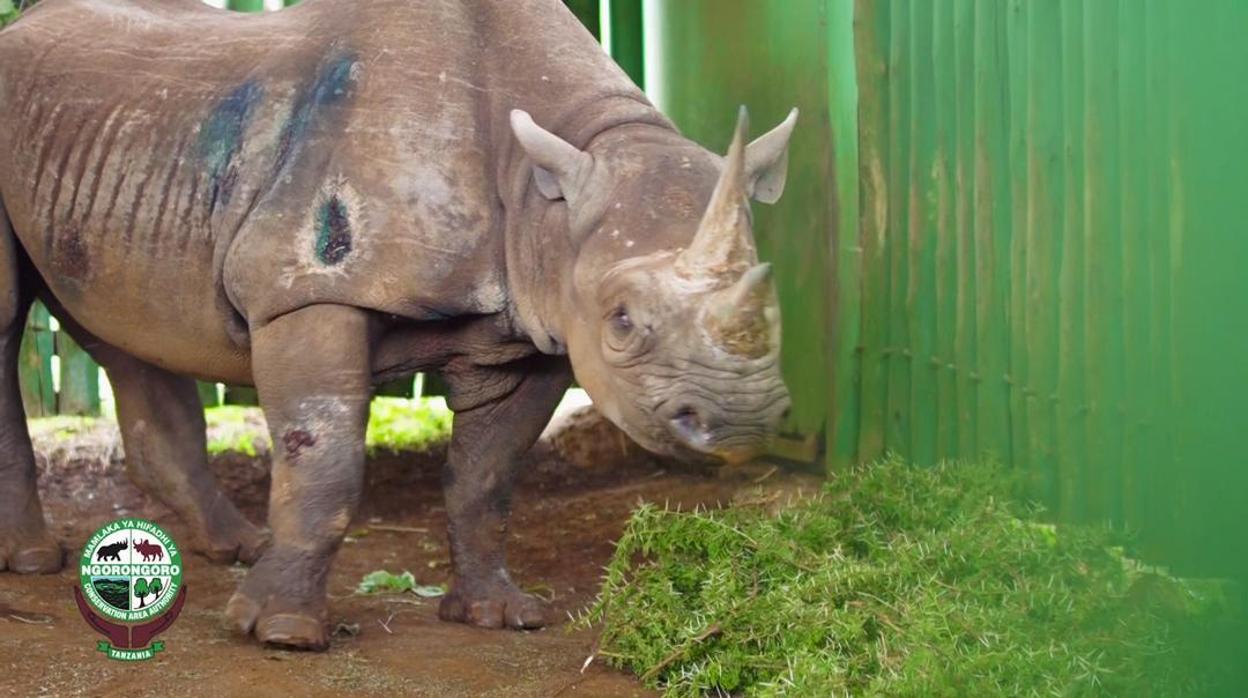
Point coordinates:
pixel 320 199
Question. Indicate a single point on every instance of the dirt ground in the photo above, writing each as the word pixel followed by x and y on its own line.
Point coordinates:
pixel 572 502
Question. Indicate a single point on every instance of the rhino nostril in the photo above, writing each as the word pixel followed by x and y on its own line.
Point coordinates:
pixel 688 425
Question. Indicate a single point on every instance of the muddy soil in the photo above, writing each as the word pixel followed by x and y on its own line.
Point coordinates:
pixel 571 504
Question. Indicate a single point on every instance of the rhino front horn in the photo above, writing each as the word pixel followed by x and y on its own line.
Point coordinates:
pixel 723 247
pixel 724 244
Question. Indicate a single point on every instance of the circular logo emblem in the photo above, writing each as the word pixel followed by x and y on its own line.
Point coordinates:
pixel 130 571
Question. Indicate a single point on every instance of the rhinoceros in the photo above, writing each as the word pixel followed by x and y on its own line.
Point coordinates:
pixel 318 200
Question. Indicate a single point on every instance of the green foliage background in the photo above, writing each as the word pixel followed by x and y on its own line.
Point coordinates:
pixel 11 9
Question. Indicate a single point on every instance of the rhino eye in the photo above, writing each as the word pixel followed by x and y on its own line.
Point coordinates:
pixel 621 323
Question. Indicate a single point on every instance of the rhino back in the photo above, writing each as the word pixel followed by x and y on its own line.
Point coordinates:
pixel 161 151
pixel 178 173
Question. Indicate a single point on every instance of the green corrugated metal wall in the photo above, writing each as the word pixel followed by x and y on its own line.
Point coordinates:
pixel 1038 255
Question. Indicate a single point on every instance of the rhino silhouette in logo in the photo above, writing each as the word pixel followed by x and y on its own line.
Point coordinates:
pixel 149 550
pixel 110 552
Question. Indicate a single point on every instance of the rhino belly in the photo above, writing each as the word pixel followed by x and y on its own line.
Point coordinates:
pixel 157 302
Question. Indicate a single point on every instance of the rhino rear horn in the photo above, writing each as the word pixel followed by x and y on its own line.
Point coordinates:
pixel 743 319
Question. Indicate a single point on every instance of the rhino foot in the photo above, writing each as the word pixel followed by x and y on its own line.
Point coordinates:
pixel 31 555
pixel 495 605
pixel 240 541
pixel 280 606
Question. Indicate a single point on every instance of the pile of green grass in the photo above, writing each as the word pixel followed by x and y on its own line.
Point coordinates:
pixel 897 581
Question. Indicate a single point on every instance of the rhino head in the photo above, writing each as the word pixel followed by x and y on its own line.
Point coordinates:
pixel 670 321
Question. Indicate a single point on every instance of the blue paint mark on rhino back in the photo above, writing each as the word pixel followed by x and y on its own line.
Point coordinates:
pixel 330 86
pixel 221 138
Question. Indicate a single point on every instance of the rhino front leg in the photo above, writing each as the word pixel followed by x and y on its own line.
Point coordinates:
pixel 26 547
pixel 311 368
pixel 485 447
pixel 163 432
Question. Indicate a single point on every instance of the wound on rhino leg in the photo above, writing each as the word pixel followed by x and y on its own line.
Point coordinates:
pixel 221 139
pixel 333 231
pixel 295 441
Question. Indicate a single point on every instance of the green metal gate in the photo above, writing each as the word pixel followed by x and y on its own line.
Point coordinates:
pixel 1015 228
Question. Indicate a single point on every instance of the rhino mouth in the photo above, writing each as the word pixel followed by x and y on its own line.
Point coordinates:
pixel 697 424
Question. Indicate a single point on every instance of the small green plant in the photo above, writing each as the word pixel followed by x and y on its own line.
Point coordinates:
pixel 383 582
pixel 8 12
pixel 402 424
pixel 235 429
pixel 897 581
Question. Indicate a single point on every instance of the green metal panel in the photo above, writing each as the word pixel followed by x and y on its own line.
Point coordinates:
pixel 1208 296
pixel 80 379
pixel 589 12
pixel 401 387
pixel 713 55
pixel 246 5
pixel 35 364
pixel 874 153
pixel 208 395
pixel 240 395
pixel 1052 232
pixel 627 43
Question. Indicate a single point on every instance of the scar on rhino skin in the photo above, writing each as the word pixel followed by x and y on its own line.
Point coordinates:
pixel 221 140
pixel 333 232
pixel 330 86
pixel 295 440
pixel 70 256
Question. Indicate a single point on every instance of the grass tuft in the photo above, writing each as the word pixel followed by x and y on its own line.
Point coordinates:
pixel 898 581
pixel 400 424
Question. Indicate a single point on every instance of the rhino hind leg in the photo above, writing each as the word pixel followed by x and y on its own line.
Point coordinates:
pixel 26 546
pixel 486 444
pixel 163 432
pixel 312 370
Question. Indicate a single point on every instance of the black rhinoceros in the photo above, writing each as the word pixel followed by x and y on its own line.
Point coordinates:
pixel 317 200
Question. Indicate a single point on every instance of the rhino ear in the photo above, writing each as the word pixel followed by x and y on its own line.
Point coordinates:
pixel 767 162
pixel 558 166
